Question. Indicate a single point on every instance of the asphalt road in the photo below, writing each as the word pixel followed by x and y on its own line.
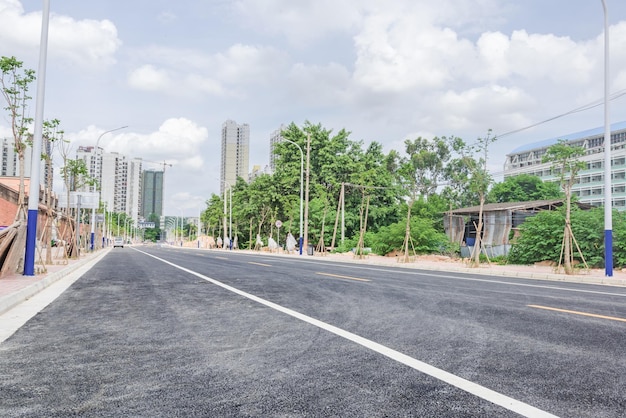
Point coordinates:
pixel 165 332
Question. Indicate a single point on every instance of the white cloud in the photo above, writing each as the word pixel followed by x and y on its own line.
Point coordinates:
pixel 303 21
pixel 188 72
pixel 86 43
pixel 177 139
pixel 149 78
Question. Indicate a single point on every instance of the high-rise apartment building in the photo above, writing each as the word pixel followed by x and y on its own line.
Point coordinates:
pixel 119 180
pixel 235 153
pixel 10 163
pixel 152 194
pixel 275 138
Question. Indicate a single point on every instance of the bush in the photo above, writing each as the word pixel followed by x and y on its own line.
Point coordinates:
pixel 541 238
pixel 426 239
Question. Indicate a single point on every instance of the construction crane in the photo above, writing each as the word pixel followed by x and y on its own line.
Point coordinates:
pixel 164 164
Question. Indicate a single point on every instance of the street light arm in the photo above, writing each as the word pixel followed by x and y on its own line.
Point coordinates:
pixel 106 132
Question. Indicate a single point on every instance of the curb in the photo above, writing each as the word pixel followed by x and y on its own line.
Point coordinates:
pixel 8 302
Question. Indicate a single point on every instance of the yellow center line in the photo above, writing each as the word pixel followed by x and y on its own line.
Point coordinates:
pixel 547 308
pixel 343 277
pixel 260 264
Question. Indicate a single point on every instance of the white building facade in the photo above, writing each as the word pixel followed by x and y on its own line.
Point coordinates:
pixel 119 180
pixel 589 185
pixel 10 163
pixel 235 153
pixel 275 138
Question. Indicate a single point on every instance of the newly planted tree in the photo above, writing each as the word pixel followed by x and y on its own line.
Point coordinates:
pixel 566 165
pixel 421 173
pixel 480 181
pixel 14 83
pixel 52 135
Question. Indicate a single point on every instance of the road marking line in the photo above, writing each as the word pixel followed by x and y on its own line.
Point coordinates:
pixel 259 264
pixel 342 277
pixel 221 258
pixel 547 308
pixel 482 392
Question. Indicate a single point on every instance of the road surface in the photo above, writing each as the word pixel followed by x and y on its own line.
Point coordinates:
pixel 152 331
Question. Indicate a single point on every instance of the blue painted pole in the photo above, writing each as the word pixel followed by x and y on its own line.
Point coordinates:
pixel 608 192
pixel 33 190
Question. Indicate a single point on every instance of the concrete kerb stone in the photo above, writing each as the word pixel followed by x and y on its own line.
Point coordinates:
pixel 8 302
pixel 487 271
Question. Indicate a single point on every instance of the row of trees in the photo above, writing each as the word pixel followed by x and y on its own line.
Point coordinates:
pixel 15 83
pixel 392 201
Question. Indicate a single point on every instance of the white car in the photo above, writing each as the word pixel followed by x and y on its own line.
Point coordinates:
pixel 118 242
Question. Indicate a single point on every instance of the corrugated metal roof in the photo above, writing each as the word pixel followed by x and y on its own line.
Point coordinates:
pixel 570 137
pixel 533 204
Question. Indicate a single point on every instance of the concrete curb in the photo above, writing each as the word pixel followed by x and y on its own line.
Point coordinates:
pixel 10 301
pixel 486 271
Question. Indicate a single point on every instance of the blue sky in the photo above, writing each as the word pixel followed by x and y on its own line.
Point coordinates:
pixel 386 71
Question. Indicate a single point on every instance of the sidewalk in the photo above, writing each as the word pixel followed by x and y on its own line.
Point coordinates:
pixel 17 288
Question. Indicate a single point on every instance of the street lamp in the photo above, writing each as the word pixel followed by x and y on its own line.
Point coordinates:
pixel 301 239
pixel 608 193
pixel 33 195
pixel 99 173
pixel 230 218
pixel 181 228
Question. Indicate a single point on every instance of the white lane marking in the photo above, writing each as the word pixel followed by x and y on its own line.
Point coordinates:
pixel 482 392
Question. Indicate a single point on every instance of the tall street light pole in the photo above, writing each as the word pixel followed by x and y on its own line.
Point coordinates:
pixel 33 193
pixel 98 172
pixel 306 197
pixel 608 192
pixel 230 218
pixel 301 239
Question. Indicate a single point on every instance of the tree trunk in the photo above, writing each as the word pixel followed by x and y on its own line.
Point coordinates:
pixel 21 210
pixel 407 234
pixel 479 242
pixel 567 237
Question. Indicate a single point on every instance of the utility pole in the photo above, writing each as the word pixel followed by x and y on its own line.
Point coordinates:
pixel 306 193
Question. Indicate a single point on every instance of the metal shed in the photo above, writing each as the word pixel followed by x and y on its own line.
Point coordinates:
pixel 500 221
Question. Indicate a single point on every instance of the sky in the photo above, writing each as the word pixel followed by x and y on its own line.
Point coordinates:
pixel 387 71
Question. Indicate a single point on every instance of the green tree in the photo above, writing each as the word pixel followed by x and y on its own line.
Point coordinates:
pixel 14 83
pixel 566 165
pixel 52 135
pixel 421 173
pixel 522 188
pixel 458 172
pixel 541 237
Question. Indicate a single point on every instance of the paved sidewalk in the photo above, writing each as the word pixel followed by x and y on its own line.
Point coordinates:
pixel 16 288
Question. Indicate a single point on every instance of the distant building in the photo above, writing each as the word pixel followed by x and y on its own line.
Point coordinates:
pixel 235 153
pixel 258 171
pixel 152 194
pixel 119 180
pixel 275 138
pixel 10 164
pixel 589 185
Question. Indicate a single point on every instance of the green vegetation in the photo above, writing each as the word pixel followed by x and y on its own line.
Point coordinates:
pixel 394 203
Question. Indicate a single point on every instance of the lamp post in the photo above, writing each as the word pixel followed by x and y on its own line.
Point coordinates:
pixel 99 173
pixel 230 218
pixel 608 192
pixel 181 228
pixel 127 223
pixel 301 239
pixel 33 194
